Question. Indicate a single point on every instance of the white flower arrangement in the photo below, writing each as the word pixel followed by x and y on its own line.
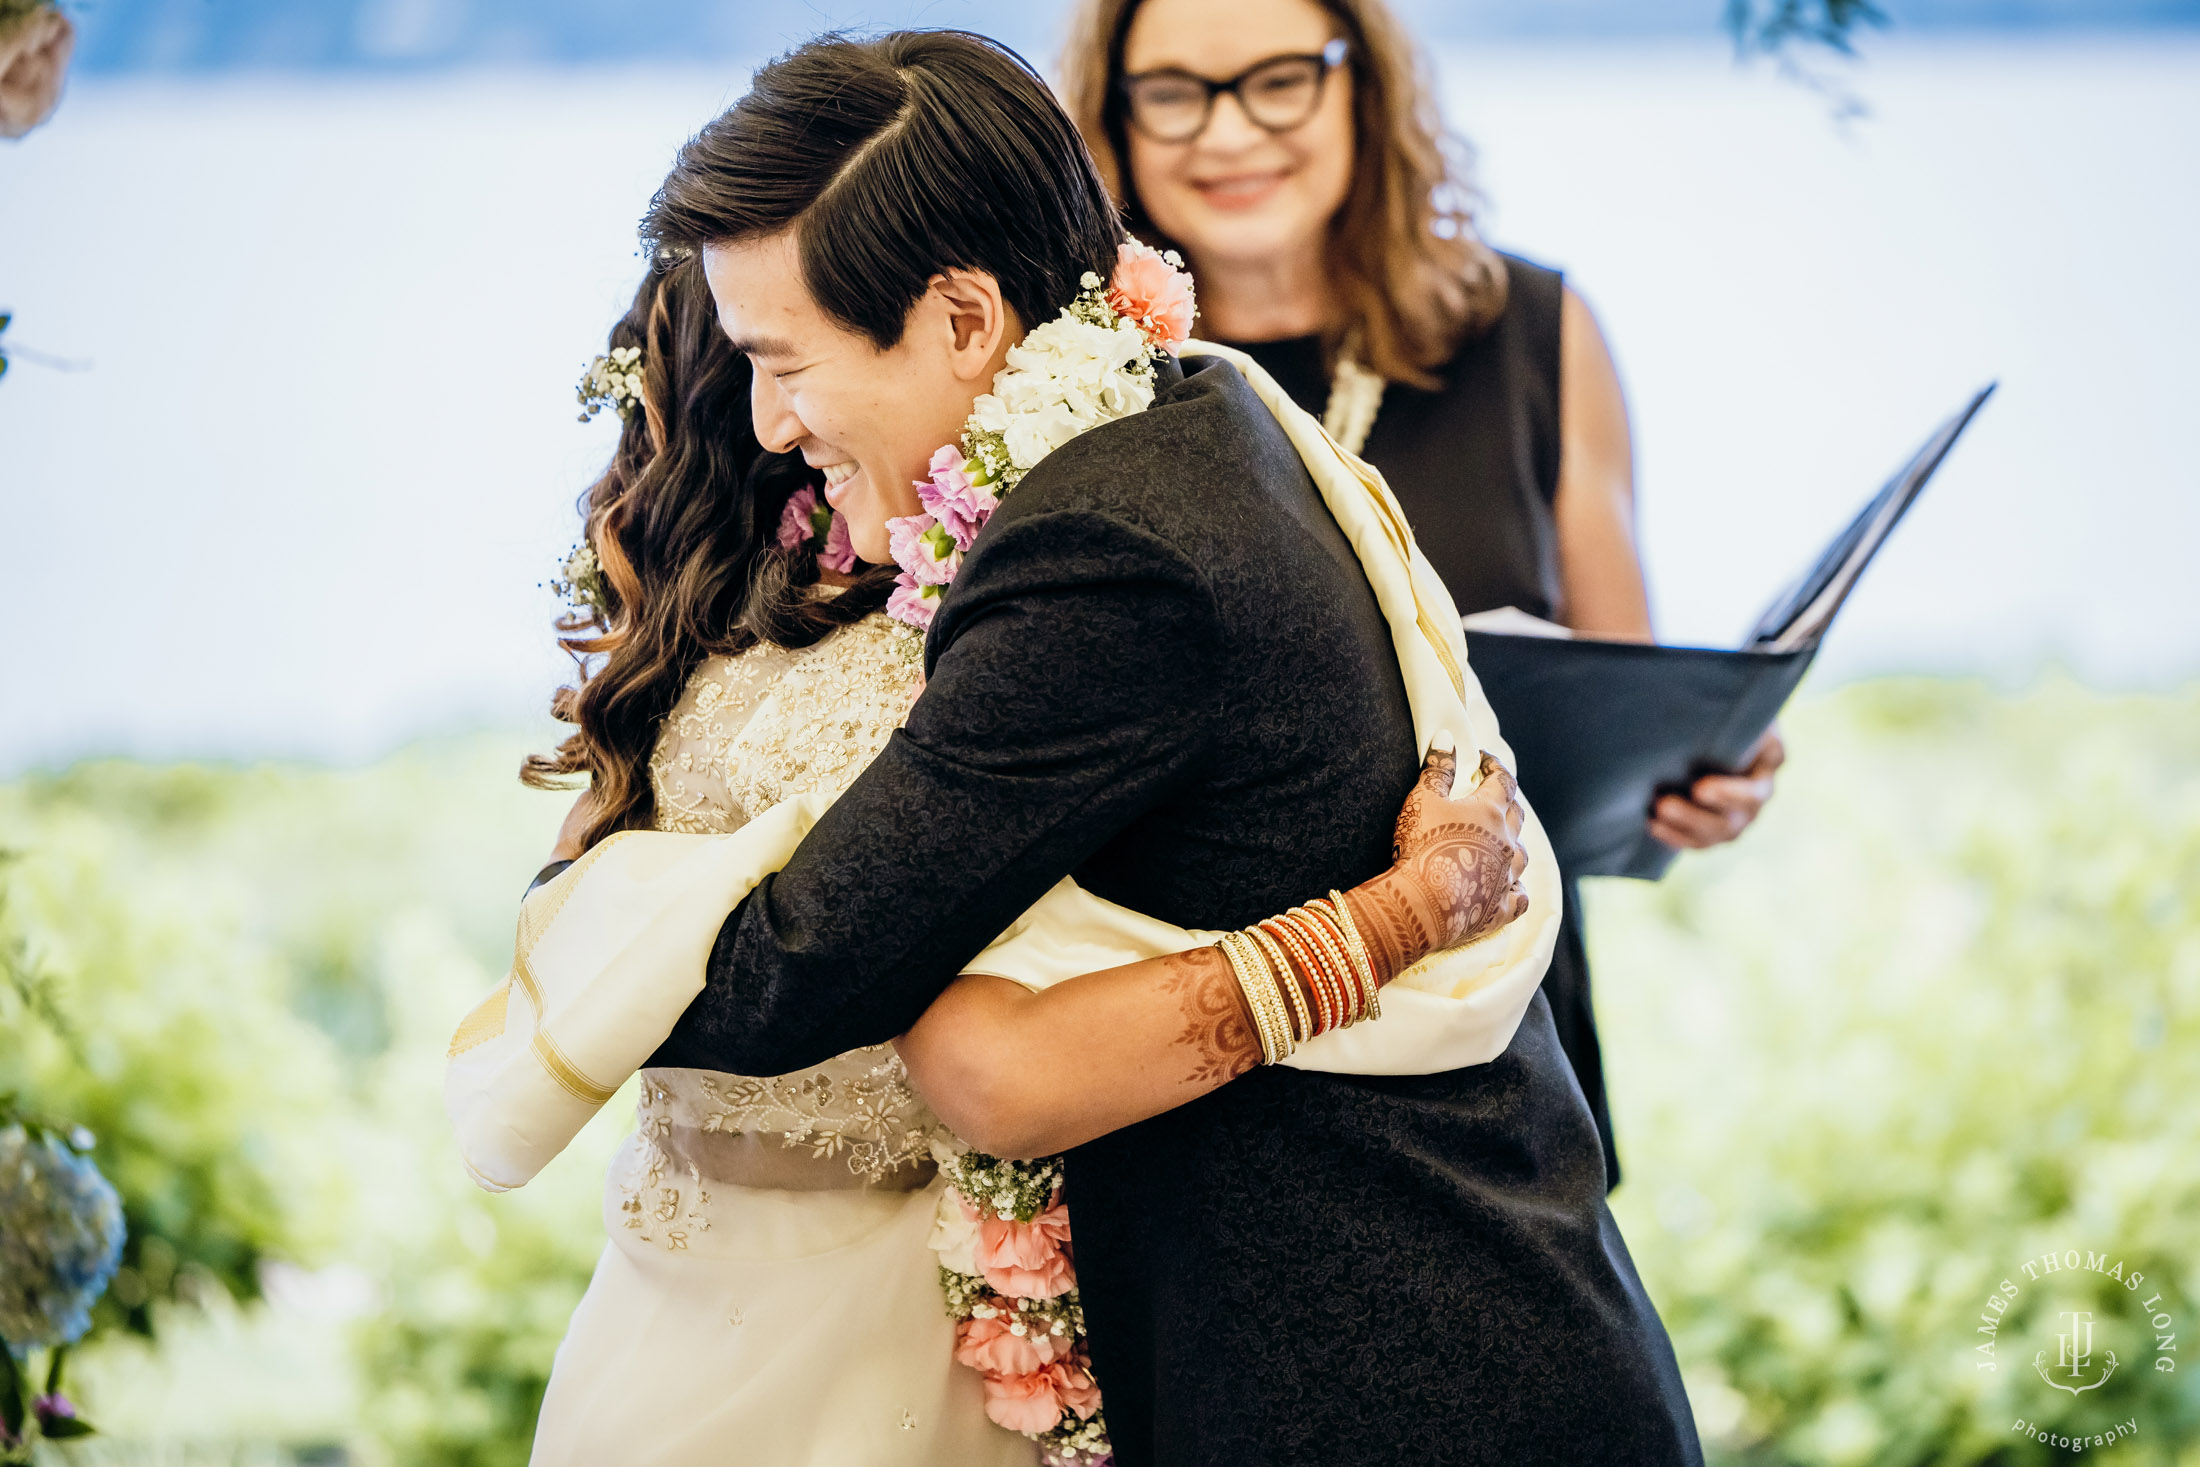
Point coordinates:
pixel 614 381
pixel 1067 377
pixel 1090 365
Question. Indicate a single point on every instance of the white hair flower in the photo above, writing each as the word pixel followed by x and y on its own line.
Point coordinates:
pixel 612 381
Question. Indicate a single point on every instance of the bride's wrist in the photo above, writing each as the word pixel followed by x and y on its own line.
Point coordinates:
pixel 1389 924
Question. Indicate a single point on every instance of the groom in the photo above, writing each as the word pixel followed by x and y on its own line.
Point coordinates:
pixel 1162 671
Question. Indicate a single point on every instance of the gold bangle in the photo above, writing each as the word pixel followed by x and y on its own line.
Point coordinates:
pixel 1358 949
pixel 1285 981
pixel 1245 962
pixel 1336 967
pixel 1286 931
pixel 1272 990
pixel 1260 986
pixel 1260 1019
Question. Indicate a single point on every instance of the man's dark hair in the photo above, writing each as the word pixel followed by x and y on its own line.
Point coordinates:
pixel 895 159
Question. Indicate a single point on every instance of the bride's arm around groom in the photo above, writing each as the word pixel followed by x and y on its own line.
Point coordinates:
pixel 1166 670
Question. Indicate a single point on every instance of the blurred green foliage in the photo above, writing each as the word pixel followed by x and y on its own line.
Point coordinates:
pixel 242 981
pixel 1938 1015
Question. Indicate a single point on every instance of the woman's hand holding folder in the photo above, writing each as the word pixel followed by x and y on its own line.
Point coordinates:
pixel 1719 807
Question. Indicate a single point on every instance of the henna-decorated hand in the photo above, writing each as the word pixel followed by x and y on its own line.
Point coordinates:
pixel 1456 876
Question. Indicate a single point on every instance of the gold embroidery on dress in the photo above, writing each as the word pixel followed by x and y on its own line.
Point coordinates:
pixel 750 731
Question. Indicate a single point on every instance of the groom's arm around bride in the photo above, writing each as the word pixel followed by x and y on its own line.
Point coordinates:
pixel 1160 670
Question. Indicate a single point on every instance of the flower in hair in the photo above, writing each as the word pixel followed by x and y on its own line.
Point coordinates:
pixel 580 583
pixel 612 381
pixel 808 522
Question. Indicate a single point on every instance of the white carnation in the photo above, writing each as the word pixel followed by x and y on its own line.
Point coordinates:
pixel 955 1235
pixel 1065 378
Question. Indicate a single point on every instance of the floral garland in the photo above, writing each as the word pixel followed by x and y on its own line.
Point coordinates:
pixel 1003 1233
pixel 1090 365
pixel 1002 1237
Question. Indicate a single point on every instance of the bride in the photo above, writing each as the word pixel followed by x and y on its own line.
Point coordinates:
pixel 769 1292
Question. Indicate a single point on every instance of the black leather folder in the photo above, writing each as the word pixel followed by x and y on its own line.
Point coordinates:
pixel 1601 729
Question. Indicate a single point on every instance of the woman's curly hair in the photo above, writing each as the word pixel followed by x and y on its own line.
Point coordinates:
pixel 683 524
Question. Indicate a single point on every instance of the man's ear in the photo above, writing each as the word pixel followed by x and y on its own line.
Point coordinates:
pixel 979 324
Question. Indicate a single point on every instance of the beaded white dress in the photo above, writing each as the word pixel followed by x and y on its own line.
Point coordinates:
pixel 768 1294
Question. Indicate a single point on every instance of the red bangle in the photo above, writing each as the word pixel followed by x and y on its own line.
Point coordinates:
pixel 1329 943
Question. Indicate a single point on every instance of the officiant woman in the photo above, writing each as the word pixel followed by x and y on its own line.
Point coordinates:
pixel 1292 150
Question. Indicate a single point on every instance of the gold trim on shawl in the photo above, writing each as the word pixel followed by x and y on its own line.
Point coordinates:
pixel 485 1023
pixel 568 1074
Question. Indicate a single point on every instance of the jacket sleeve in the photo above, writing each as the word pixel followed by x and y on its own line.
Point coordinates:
pixel 1074 681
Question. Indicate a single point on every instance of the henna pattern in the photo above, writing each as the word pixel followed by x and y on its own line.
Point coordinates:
pixel 1465 874
pixel 1218 1028
pixel 1395 935
pixel 1458 864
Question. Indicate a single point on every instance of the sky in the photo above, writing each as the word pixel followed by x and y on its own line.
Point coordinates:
pixel 317 453
pixel 139 36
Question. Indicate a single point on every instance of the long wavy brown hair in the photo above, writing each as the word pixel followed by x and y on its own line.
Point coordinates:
pixel 684 524
pixel 1416 278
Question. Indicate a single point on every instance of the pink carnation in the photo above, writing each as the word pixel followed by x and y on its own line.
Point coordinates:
pixel 991 1346
pixel 907 602
pixel 1154 294
pixel 839 553
pixel 1027 1260
pixel 795 528
pixel 961 507
pixel 1026 1403
pixel 915 550
pixel 1075 1387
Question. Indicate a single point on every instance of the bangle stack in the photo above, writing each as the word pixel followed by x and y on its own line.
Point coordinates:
pixel 1303 974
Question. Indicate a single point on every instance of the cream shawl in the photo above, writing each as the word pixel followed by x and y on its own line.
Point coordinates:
pixel 610 953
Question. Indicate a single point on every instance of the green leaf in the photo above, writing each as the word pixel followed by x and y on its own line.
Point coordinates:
pixel 66 1428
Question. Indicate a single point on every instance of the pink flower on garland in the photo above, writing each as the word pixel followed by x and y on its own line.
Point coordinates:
pixel 1026 1260
pixel 911 603
pixel 1154 294
pixel 1074 1385
pixel 923 549
pixel 993 1346
pixel 1026 1403
pixel 961 506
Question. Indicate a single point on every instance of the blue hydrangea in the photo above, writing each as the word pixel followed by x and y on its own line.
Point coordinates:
pixel 60 1239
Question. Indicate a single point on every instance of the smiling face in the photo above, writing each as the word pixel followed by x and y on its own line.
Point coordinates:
pixel 1238 194
pixel 869 419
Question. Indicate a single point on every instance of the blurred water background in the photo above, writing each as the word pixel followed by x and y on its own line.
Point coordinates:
pixel 325 274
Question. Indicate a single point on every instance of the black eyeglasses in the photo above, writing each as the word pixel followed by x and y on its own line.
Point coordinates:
pixel 1280 93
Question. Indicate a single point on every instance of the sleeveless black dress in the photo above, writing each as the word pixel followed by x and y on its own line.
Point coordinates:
pixel 1475 466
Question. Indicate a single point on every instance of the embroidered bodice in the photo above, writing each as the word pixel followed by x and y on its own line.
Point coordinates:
pixel 749 731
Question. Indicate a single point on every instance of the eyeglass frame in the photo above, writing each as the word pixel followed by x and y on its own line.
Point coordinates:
pixel 1330 57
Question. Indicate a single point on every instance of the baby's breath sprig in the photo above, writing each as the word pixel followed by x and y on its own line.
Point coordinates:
pixel 612 381
pixel 581 585
pixel 1076 1443
pixel 1015 1190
